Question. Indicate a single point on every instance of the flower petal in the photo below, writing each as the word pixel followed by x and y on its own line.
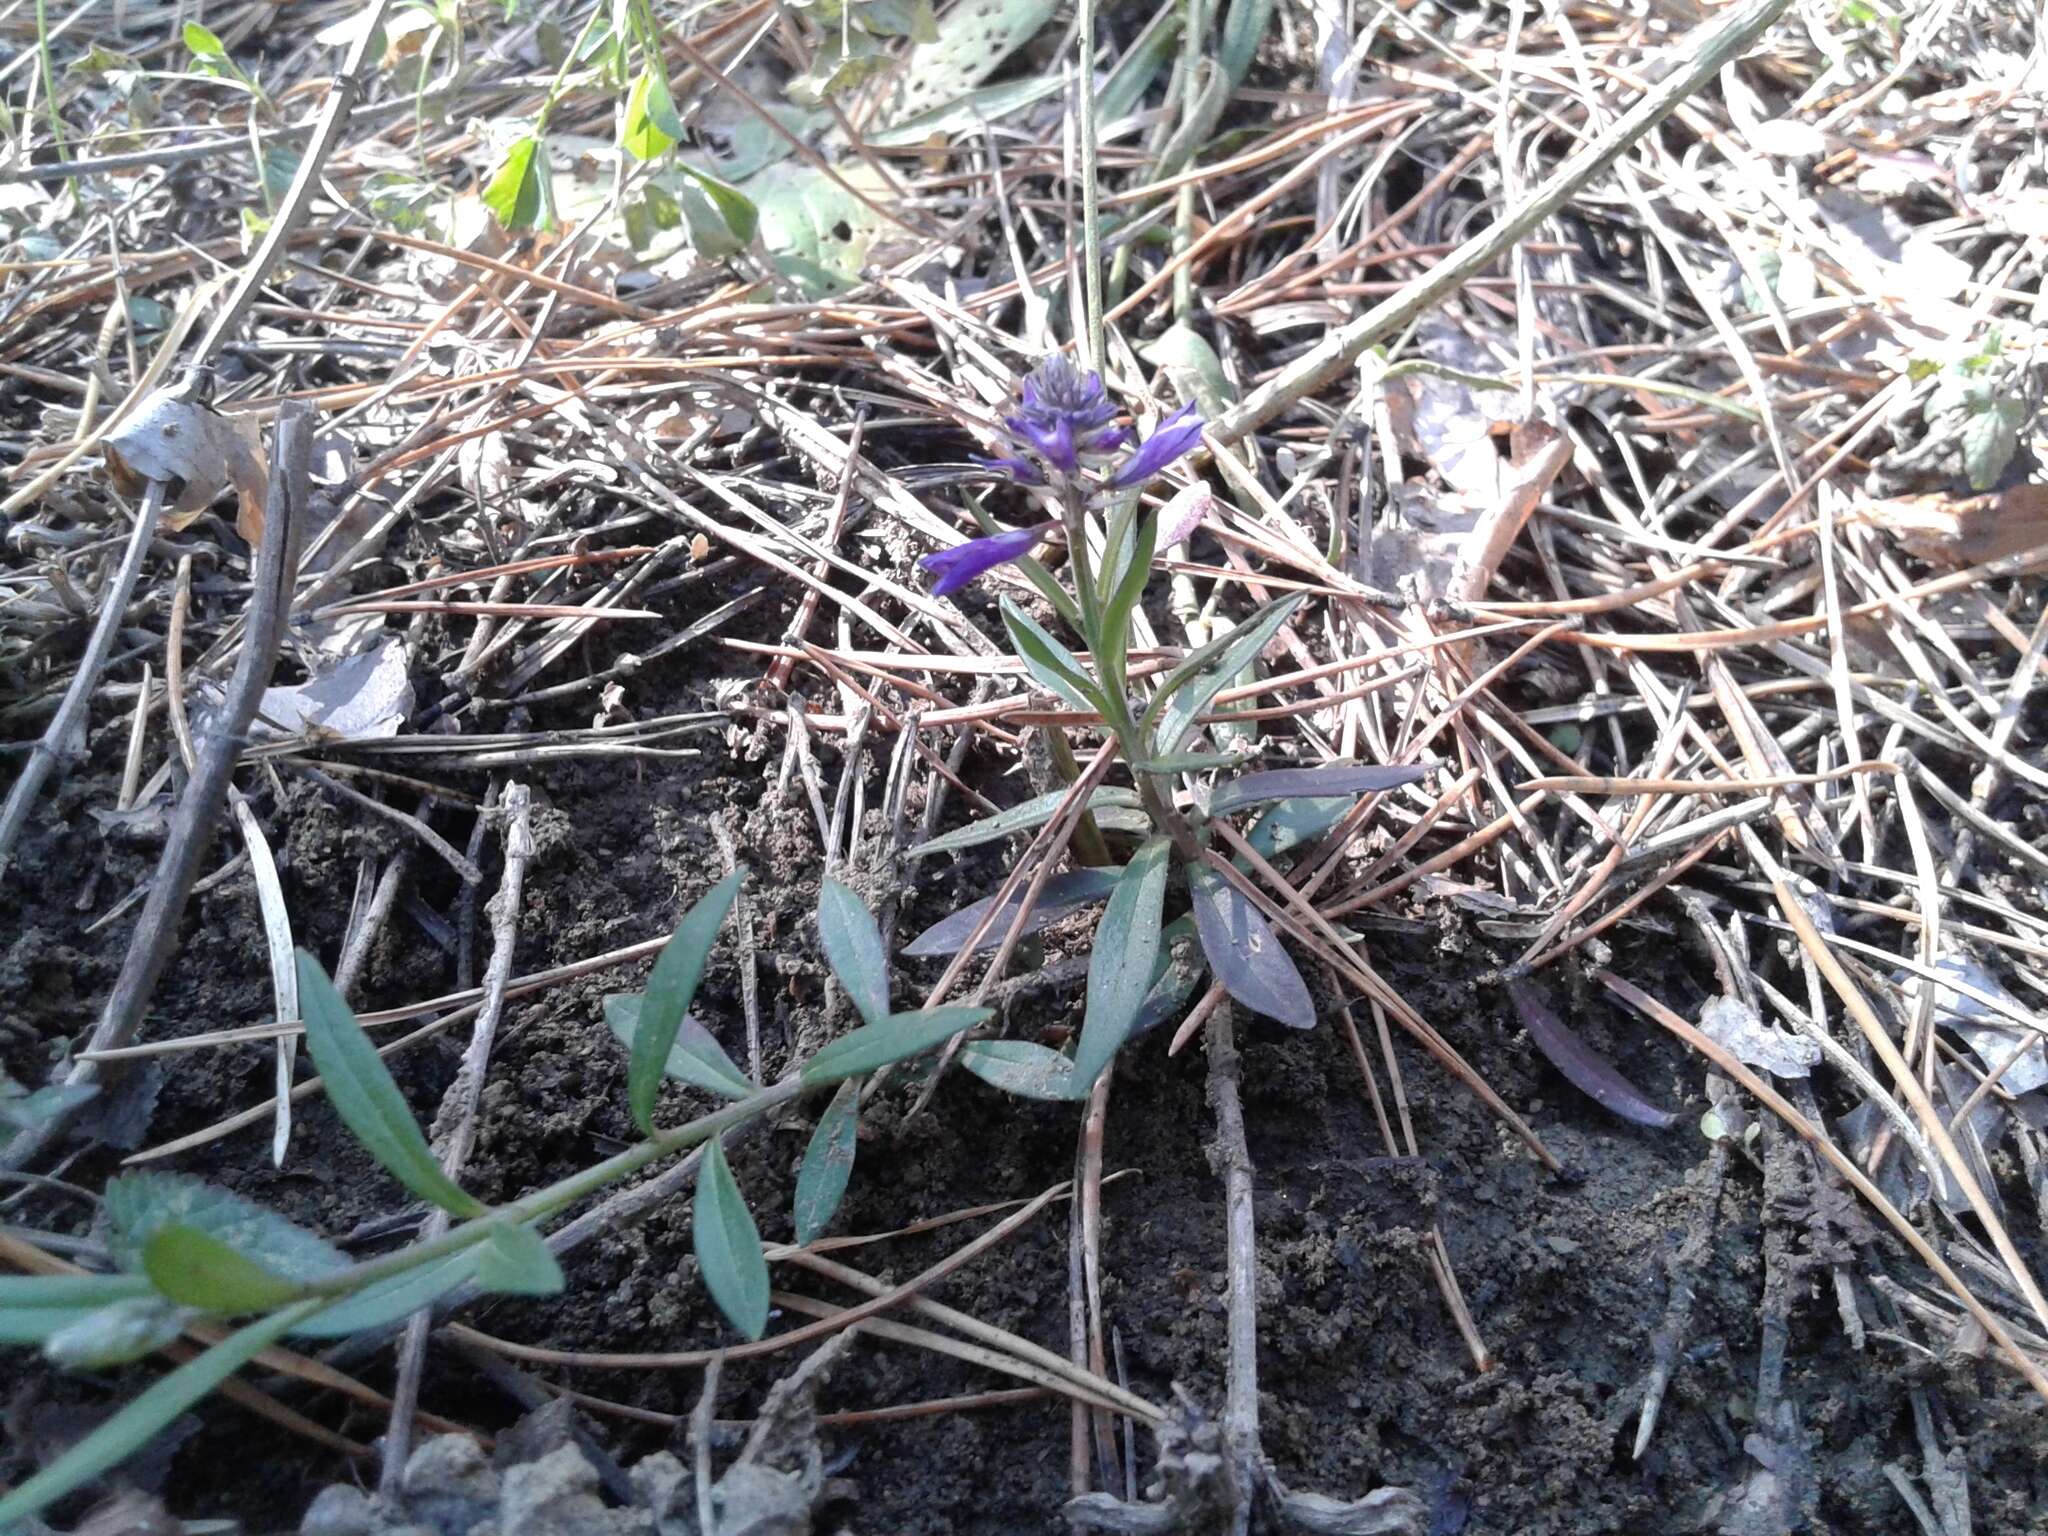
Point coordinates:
pixel 1181 516
pixel 1176 435
pixel 957 566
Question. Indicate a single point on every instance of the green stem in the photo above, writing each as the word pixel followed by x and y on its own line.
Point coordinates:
pixel 1091 211
pixel 545 1202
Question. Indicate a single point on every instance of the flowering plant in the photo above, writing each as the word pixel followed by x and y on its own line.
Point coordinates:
pixel 1063 443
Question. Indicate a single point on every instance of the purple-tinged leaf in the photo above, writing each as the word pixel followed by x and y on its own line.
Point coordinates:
pixel 1590 1072
pixel 1245 952
pixel 1284 783
pixel 1060 895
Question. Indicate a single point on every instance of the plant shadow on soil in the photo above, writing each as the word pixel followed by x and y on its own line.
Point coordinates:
pixel 1365 1379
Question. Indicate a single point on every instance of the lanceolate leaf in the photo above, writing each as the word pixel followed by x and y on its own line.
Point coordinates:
pixel 729 1246
pixel 1022 1067
pixel 386 1301
pixel 363 1094
pixel 1181 969
pixel 696 1057
pixel 670 990
pixel 1035 812
pixel 1056 669
pixel 1059 895
pixel 188 1266
pixel 901 1035
pixel 514 1261
pixel 1245 953
pixel 1116 616
pixel 828 1162
pixel 135 1425
pixel 1120 971
pixel 1286 783
pixel 1295 823
pixel 1191 686
pixel 853 944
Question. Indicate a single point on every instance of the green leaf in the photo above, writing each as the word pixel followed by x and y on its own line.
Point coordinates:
pixel 966 113
pixel 1125 87
pixel 1243 25
pixel 670 990
pixel 853 944
pixel 202 44
pixel 1056 668
pixel 828 1163
pixel 696 1057
pixel 514 1261
pixel 140 1205
pixel 1029 1070
pixel 1188 762
pixel 741 217
pixel 1116 614
pixel 1191 686
pixel 1059 896
pixel 729 1246
pixel 815 228
pixel 1179 969
pixel 366 1098
pixel 115 1334
pixel 386 1301
pixel 1332 779
pixel 32 1307
pixel 651 127
pixel 1245 952
pixel 1035 812
pixel 188 1266
pixel 972 43
pixel 135 1425
pixel 517 191
pixel 1295 823
pixel 25 1111
pixel 1991 436
pixel 1120 971
pixel 876 1045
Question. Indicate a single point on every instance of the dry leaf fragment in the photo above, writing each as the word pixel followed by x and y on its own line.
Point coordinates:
pixel 176 437
pixel 1963 530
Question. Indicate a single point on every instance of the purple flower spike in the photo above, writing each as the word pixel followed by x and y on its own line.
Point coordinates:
pixel 957 566
pixel 1179 433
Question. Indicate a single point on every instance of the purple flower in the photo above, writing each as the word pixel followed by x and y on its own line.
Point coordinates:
pixel 1061 414
pixel 1064 422
pixel 957 566
pixel 1176 435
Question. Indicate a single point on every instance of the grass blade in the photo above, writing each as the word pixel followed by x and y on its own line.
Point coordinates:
pixel 135 1425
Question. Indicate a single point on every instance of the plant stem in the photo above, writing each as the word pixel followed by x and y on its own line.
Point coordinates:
pixel 543 1203
pixel 1091 210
